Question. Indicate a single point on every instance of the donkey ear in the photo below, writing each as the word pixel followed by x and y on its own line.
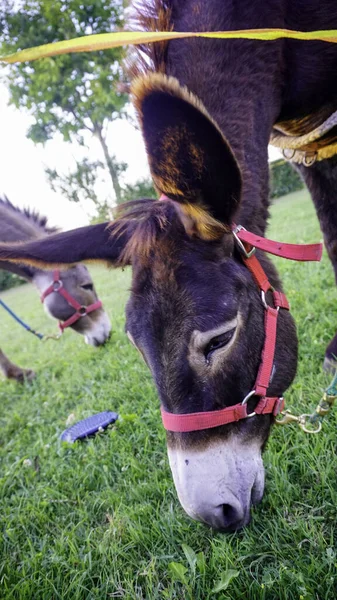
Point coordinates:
pixel 190 160
pixel 102 242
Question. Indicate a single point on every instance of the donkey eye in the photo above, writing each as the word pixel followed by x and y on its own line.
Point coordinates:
pixel 218 342
pixel 88 286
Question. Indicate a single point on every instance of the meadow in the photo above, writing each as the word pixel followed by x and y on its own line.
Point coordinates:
pixel 100 519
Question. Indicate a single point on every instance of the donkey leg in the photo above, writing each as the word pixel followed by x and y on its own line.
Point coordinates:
pixel 11 371
pixel 321 180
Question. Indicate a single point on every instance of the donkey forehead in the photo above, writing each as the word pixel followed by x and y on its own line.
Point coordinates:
pixel 194 294
pixel 77 274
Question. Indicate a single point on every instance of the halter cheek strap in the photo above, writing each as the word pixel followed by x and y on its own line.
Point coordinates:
pixel 247 243
pixel 80 310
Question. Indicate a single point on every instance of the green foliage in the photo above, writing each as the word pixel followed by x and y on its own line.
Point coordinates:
pixel 191 581
pixel 131 191
pixel 225 580
pixel 9 280
pixel 79 184
pixel 143 188
pixel 69 94
pixel 283 179
pixel 100 519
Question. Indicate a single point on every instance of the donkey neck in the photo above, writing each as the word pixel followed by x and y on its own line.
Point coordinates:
pixel 16 226
pixel 238 82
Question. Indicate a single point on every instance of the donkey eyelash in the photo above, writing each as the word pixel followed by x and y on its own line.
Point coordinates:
pixel 219 341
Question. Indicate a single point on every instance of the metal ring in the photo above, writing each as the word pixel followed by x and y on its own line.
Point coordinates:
pixel 245 400
pixel 57 285
pixel 82 311
pixel 302 423
pixel 288 153
pixel 263 298
pixel 309 159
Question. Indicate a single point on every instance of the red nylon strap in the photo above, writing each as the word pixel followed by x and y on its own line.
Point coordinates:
pixel 266 405
pixel 269 405
pixel 76 305
pixel 303 252
pixel 46 293
pixel 300 252
pixel 270 325
pixel 214 418
pixel 80 311
pixel 280 300
pixel 52 288
pixel 77 315
pixel 258 273
pixel 268 352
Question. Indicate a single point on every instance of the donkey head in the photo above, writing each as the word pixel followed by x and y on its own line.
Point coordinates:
pixel 194 313
pixel 70 296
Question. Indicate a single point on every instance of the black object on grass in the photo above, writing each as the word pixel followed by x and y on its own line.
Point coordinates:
pixel 88 426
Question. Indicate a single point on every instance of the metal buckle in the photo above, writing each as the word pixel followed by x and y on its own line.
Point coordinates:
pixel 240 245
pixel 245 400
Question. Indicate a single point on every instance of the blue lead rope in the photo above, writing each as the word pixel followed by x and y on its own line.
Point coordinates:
pixel 4 305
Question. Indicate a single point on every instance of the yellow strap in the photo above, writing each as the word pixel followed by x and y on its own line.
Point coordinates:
pixel 102 41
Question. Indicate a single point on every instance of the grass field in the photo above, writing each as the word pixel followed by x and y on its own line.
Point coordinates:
pixel 100 519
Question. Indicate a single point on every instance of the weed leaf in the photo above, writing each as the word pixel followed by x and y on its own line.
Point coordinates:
pixel 191 557
pixel 225 580
pixel 178 571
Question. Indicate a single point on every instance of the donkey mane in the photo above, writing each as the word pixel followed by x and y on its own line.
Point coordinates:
pixel 151 15
pixel 32 215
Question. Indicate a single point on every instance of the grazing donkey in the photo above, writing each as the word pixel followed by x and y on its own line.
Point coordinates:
pixel 23 225
pixel 207 108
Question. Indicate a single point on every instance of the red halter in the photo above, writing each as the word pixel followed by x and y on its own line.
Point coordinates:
pixel 80 310
pixel 246 243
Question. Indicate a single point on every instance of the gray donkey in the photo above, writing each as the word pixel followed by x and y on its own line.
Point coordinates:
pixel 68 295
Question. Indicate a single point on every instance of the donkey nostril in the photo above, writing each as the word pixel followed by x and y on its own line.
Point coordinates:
pixel 229 512
pixel 232 517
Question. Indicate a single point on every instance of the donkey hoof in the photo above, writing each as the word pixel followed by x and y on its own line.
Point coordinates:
pixel 330 365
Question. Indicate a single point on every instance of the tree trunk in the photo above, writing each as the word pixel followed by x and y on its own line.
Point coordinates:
pixel 112 170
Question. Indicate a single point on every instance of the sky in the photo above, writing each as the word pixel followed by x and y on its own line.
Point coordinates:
pixel 22 163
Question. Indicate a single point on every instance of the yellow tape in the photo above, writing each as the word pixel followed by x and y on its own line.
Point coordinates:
pixel 103 41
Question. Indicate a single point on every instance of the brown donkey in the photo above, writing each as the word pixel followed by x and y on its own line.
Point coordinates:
pixel 22 225
pixel 195 312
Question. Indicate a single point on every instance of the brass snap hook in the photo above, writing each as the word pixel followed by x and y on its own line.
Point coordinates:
pixel 287 417
pixel 307 426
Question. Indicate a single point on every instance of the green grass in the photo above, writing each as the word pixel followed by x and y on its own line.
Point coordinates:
pixel 100 519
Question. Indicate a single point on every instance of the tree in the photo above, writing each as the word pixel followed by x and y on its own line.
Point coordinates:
pixel 72 94
pixel 143 188
pixel 80 184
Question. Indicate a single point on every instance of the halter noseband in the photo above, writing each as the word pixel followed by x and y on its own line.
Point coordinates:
pixel 247 242
pixel 80 310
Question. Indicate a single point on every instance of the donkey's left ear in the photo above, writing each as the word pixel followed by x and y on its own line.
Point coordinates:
pixel 190 160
